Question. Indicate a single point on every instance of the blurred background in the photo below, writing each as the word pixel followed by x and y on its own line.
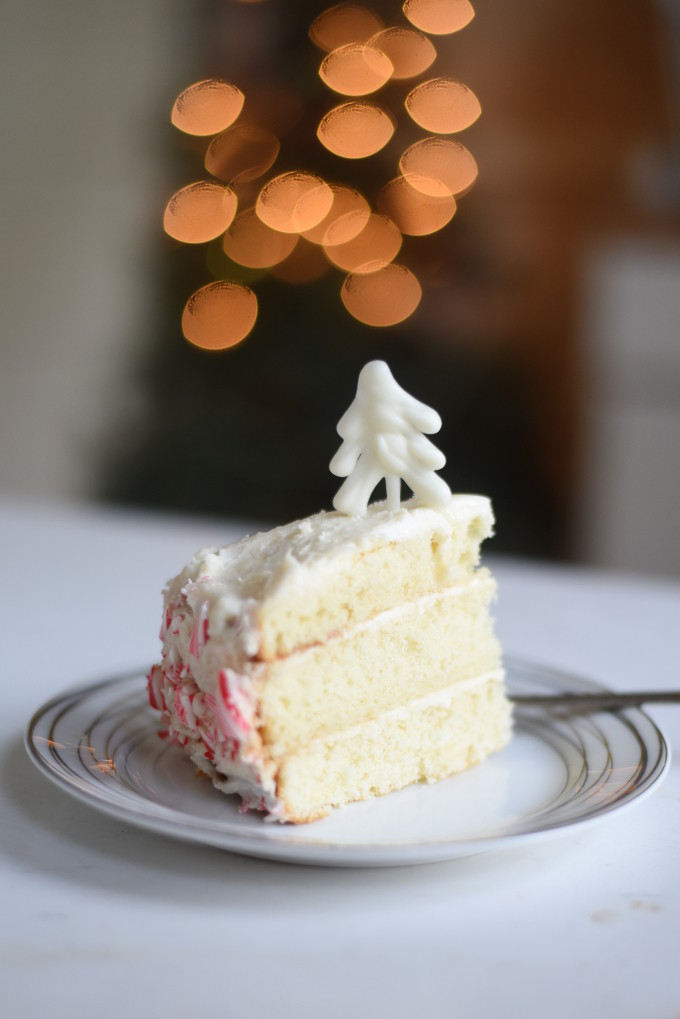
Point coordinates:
pixel 548 334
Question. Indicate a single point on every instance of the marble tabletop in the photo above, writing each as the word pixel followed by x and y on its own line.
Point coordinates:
pixel 103 919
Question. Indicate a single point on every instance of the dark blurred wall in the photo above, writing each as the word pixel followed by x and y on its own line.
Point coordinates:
pixel 571 91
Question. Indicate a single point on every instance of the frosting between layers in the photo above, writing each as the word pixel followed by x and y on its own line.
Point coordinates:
pixel 436 698
pixel 421 605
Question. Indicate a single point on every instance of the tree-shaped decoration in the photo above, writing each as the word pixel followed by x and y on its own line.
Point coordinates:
pixel 383 438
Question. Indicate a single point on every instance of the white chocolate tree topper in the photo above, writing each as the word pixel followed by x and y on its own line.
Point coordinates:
pixel 382 432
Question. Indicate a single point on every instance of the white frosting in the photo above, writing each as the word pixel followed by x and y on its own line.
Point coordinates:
pixel 383 438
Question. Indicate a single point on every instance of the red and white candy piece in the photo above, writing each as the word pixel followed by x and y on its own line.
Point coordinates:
pixel 200 634
pixel 234 709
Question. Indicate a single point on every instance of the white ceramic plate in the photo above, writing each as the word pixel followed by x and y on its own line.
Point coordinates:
pixel 100 743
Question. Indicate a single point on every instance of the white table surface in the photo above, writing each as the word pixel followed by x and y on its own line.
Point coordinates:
pixel 100 919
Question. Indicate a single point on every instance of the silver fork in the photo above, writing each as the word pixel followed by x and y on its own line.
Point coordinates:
pixel 597 700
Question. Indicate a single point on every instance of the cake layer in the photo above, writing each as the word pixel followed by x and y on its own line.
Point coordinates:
pixel 401 654
pixel 290 587
pixel 400 557
pixel 427 740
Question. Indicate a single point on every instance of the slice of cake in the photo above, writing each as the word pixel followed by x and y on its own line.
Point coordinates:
pixel 336 658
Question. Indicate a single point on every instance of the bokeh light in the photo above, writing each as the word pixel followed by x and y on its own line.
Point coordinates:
pixel 443 105
pixel 242 153
pixel 413 210
pixel 219 315
pixel 252 243
pixel 377 244
pixel 207 107
pixel 296 226
pixel 347 217
pixel 294 201
pixel 439 17
pixel 355 69
pixel 410 52
pixel 344 24
pixel 306 264
pixel 382 298
pixel 355 130
pixel 433 162
pixel 199 212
